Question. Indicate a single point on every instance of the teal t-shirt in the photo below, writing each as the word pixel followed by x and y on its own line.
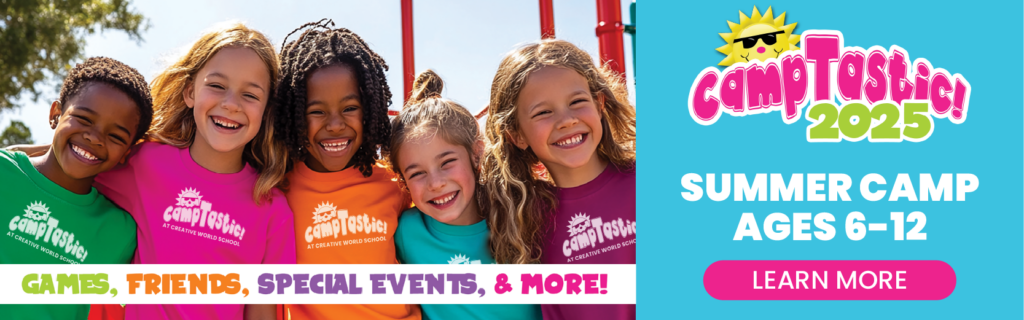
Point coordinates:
pixel 420 239
pixel 47 224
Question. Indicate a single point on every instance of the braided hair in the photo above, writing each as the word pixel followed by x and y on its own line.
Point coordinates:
pixel 321 46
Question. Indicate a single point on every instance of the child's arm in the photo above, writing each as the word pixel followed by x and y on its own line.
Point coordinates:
pixel 280 248
pixel 29 149
pixel 260 312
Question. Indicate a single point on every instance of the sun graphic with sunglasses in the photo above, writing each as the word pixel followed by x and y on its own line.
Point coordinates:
pixel 757 38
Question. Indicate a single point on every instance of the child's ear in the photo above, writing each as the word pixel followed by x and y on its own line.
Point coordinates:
pixel 600 104
pixel 125 157
pixel 55 112
pixel 517 139
pixel 189 94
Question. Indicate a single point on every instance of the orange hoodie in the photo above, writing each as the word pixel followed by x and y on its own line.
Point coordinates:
pixel 342 218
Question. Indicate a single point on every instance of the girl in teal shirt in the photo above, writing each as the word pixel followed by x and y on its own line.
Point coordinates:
pixel 435 148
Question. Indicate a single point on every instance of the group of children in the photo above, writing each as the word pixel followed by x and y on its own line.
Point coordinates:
pixel 235 154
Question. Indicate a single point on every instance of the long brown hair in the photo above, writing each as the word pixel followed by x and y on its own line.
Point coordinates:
pixel 175 124
pixel 427 114
pixel 521 199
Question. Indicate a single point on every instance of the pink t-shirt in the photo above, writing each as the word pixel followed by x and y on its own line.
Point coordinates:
pixel 189 215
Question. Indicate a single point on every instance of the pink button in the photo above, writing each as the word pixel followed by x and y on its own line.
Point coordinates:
pixel 829 280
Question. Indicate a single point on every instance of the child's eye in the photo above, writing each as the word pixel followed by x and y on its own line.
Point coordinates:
pixel 119 139
pixel 351 108
pixel 415 174
pixel 540 113
pixel 446 162
pixel 317 112
pixel 252 96
pixel 83 120
pixel 579 100
pixel 214 85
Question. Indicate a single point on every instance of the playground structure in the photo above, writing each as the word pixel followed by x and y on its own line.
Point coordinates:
pixel 609 30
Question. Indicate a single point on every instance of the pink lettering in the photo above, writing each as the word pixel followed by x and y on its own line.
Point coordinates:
pixel 875 88
pixel 822 50
pixel 850 75
pixel 794 82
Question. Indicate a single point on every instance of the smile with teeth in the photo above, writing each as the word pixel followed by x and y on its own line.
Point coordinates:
pixel 570 141
pixel 224 123
pixel 445 199
pixel 335 146
pixel 84 154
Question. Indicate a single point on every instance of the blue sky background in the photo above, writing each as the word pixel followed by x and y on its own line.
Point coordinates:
pixel 462 40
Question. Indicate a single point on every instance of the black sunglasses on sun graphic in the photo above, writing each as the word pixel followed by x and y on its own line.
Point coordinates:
pixel 750 42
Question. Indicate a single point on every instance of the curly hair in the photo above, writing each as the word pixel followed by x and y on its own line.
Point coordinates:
pixel 429 115
pixel 521 199
pixel 321 46
pixel 116 74
pixel 174 122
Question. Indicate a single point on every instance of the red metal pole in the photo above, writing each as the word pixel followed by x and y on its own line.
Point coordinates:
pixel 408 62
pixel 547 20
pixel 609 35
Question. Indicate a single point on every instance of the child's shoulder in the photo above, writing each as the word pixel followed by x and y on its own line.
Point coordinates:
pixel 153 149
pixel 10 161
pixel 410 215
pixel 410 224
pixel 121 219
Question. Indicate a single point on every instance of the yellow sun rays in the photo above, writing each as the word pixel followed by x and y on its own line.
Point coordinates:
pixel 778 23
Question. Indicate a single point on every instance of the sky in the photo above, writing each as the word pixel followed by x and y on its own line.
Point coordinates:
pixel 463 41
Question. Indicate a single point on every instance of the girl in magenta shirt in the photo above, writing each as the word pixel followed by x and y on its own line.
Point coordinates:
pixel 204 192
pixel 551 105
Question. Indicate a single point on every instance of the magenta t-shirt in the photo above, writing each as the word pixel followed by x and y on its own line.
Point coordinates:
pixel 595 223
pixel 189 215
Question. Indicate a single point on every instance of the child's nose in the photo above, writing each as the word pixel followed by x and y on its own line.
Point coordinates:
pixel 335 124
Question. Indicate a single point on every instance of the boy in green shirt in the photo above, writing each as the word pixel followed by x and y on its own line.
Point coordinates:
pixel 51 211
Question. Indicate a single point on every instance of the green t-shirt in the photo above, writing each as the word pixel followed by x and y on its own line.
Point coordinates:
pixel 47 224
pixel 420 239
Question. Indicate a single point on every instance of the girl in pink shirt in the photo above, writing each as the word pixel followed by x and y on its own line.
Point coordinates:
pixel 204 190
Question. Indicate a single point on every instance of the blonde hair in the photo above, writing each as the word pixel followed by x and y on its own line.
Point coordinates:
pixel 521 199
pixel 174 122
pixel 429 115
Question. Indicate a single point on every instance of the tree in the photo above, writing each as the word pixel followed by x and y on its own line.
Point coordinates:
pixel 40 39
pixel 16 133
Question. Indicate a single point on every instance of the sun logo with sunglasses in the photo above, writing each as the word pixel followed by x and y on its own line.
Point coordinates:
pixel 757 38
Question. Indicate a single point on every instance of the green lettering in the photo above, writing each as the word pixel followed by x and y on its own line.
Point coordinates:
pixel 46 285
pixel 94 283
pixel 28 283
pixel 67 281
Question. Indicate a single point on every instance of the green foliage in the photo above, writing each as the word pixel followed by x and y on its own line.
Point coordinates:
pixel 16 133
pixel 40 39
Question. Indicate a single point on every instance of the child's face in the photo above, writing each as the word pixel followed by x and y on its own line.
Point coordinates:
pixel 558 119
pixel 228 97
pixel 440 179
pixel 334 113
pixel 94 131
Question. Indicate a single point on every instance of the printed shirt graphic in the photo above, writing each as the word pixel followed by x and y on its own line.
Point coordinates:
pixel 595 224
pixel 190 215
pixel 47 224
pixel 344 218
pixel 422 240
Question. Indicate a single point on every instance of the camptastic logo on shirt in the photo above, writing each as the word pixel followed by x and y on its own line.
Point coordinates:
pixel 585 231
pixel 461 259
pixel 329 223
pixel 191 210
pixel 37 224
